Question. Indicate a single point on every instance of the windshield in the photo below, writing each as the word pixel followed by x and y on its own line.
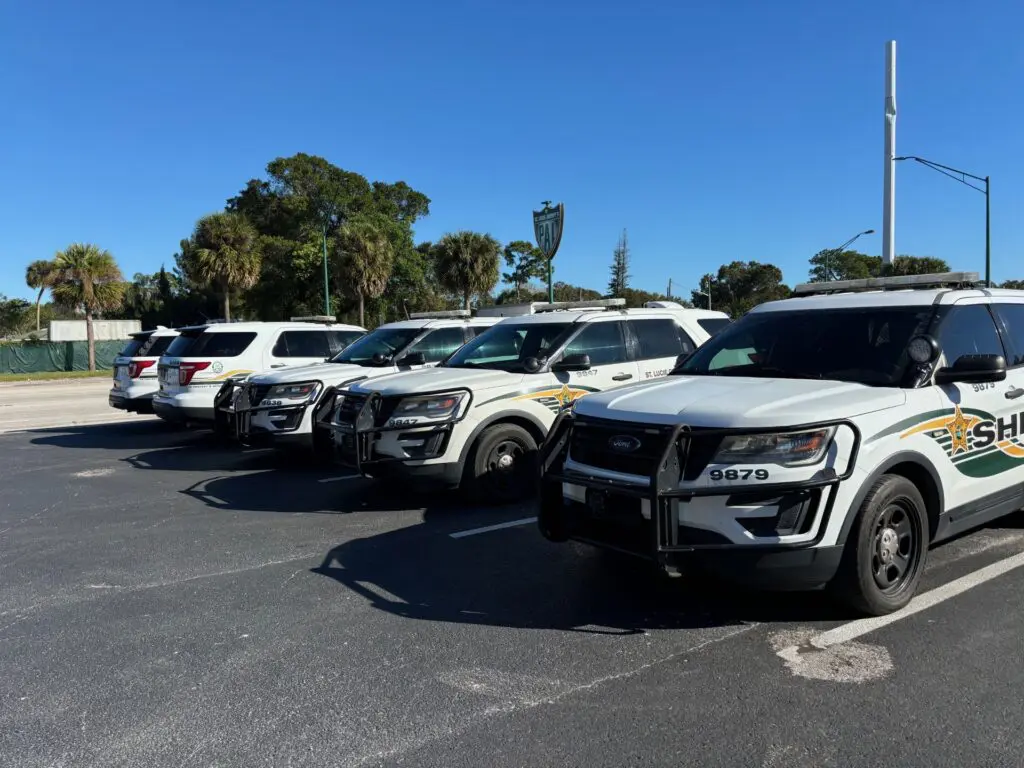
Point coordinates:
pixel 505 346
pixel 383 341
pixel 862 345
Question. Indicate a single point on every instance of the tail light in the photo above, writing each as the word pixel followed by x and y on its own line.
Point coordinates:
pixel 136 367
pixel 187 370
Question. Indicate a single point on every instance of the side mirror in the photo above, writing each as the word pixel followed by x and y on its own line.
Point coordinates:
pixel 973 369
pixel 413 358
pixel 572 363
pixel 379 358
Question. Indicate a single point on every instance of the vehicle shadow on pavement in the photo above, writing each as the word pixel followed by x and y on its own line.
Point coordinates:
pixel 514 578
pixel 122 435
pixel 279 490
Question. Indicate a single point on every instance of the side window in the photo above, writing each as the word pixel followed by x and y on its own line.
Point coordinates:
pixel 1012 317
pixel 661 338
pixel 338 340
pixel 602 341
pixel 437 345
pixel 969 330
pixel 302 344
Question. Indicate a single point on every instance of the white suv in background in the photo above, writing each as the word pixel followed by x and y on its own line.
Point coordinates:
pixel 476 420
pixel 198 362
pixel 280 407
pixel 135 370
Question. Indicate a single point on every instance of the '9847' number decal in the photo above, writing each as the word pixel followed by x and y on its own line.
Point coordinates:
pixel 738 474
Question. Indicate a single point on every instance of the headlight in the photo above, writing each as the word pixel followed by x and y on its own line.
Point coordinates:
pixel 788 448
pixel 432 407
pixel 293 391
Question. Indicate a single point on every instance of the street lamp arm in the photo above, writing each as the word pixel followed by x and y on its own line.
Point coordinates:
pixel 954 173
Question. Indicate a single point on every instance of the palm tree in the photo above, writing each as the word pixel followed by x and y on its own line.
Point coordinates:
pixel 366 258
pixel 88 278
pixel 226 254
pixel 39 276
pixel 467 263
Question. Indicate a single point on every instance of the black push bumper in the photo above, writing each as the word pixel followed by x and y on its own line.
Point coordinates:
pixel 233 418
pixel 613 515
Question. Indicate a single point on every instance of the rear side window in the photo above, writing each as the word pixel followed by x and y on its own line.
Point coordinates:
pixel 341 339
pixel 713 324
pixel 437 345
pixel 158 346
pixel 131 349
pixel 661 338
pixel 301 344
pixel 1012 317
pixel 221 344
pixel 969 330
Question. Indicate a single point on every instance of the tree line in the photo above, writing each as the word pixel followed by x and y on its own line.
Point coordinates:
pixel 263 257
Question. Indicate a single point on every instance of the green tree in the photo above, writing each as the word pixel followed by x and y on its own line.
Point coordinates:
pixel 740 286
pixel 525 262
pixel 636 298
pixel 467 263
pixel 87 277
pixel 619 280
pixel 225 254
pixel 1016 285
pixel 39 277
pixel 853 265
pixel 365 260
pixel 916 265
pixel 14 316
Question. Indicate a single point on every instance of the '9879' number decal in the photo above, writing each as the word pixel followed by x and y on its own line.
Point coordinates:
pixel 738 474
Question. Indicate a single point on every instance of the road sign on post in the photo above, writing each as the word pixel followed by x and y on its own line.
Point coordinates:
pixel 547 228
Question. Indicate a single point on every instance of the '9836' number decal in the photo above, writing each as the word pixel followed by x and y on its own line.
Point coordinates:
pixel 738 474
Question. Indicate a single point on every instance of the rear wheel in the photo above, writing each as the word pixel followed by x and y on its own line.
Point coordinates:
pixel 502 465
pixel 887 548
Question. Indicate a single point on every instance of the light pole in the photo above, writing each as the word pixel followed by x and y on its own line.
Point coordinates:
pixel 707 292
pixel 841 248
pixel 962 176
pixel 327 293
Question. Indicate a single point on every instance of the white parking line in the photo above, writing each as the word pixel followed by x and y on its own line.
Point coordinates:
pixel 860 627
pixel 489 528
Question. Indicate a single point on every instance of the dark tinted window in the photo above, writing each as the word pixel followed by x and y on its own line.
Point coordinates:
pixel 383 341
pixel 601 341
pixel 1012 317
pixel 131 349
pixel 476 330
pixel 713 324
pixel 863 345
pixel 182 344
pixel 341 339
pixel 301 344
pixel 968 330
pixel 220 344
pixel 661 338
pixel 437 345
pixel 507 345
pixel 158 346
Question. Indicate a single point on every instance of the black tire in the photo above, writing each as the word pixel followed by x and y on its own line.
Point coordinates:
pixel 502 465
pixel 886 550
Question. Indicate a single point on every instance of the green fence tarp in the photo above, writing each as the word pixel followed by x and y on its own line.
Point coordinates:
pixel 56 356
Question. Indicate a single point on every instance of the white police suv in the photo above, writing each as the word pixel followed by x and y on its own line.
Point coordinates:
pixel 828 438
pixel 199 361
pixel 135 370
pixel 476 419
pixel 281 406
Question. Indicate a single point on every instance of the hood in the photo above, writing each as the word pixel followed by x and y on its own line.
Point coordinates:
pixel 331 374
pixel 721 401
pixel 439 379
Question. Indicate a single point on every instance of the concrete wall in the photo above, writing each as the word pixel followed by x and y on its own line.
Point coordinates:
pixel 103 330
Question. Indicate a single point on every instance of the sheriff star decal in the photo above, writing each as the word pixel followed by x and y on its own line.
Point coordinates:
pixel 978 443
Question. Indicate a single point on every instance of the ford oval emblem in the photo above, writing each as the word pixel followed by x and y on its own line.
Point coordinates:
pixel 623 443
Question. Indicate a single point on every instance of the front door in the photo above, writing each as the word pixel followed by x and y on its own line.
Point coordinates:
pixel 604 342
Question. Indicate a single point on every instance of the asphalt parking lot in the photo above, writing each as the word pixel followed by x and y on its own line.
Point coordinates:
pixel 168 602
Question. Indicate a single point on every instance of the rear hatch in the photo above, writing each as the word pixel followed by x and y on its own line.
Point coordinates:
pixel 138 360
pixel 202 358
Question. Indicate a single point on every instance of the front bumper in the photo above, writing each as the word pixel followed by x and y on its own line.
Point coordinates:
pixel 234 418
pixel 648 520
pixel 357 431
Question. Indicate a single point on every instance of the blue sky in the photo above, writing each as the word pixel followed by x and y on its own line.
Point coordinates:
pixel 712 131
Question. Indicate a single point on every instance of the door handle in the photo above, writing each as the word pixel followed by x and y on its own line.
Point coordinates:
pixel 1013 393
pixel 627 376
pixel 277 365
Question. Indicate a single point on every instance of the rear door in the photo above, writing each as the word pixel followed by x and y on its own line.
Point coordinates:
pixel 657 342
pixel 298 346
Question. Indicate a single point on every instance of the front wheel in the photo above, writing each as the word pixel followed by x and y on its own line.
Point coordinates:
pixel 887 549
pixel 502 465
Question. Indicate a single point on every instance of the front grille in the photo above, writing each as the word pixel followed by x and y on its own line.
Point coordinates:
pixel 349 408
pixel 257 392
pixel 383 407
pixel 591 444
pixel 592 440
